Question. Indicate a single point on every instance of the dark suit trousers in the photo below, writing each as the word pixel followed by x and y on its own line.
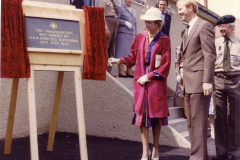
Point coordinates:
pixel 197 107
pixel 227 128
pixel 112 24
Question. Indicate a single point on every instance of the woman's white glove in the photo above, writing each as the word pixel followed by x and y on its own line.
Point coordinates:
pixel 142 80
pixel 179 79
pixel 128 24
pixel 113 60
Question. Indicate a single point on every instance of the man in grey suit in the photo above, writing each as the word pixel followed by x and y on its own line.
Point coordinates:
pixel 199 56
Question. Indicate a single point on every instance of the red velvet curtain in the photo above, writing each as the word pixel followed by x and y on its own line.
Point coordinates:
pixel 95 59
pixel 14 55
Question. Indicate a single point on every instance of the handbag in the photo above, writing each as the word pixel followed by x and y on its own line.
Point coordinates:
pixel 115 7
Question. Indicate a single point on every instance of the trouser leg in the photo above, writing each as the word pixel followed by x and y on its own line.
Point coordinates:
pixel 197 107
pixel 220 117
pixel 233 93
pixel 112 24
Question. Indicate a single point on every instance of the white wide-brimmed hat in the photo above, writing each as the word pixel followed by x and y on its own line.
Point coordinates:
pixel 152 14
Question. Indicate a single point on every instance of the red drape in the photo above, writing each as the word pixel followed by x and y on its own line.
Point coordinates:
pixel 95 59
pixel 14 55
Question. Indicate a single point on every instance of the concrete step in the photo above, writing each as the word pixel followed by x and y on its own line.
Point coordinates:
pixel 179 124
pixel 186 134
pixel 175 112
pixel 127 82
pixel 171 101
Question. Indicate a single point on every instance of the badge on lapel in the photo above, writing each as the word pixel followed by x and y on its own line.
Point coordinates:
pixel 219 50
pixel 158 59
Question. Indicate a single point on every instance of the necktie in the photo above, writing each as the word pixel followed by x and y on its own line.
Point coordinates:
pixel 185 35
pixel 226 56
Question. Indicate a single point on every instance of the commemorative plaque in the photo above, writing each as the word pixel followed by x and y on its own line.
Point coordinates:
pixel 52 33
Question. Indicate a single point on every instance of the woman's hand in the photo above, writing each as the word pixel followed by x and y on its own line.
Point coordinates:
pixel 128 24
pixel 142 80
pixel 113 60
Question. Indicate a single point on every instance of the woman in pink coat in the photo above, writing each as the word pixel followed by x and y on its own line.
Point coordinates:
pixel 151 55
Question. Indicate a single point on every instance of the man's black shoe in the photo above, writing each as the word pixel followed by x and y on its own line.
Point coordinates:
pixel 234 157
pixel 220 157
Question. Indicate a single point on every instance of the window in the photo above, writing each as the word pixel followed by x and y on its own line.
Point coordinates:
pixel 140 1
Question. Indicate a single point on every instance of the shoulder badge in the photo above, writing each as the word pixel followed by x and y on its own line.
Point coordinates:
pixel 235 58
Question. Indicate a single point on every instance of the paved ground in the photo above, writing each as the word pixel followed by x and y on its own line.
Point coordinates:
pixel 66 147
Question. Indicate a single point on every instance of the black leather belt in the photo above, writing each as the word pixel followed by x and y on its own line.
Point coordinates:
pixel 110 16
pixel 225 76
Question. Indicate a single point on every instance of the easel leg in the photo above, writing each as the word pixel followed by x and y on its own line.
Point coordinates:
pixel 11 115
pixel 32 117
pixel 80 114
pixel 53 125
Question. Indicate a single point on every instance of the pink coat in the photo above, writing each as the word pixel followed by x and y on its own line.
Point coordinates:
pixel 157 89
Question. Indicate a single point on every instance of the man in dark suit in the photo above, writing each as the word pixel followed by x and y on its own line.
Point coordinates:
pixel 199 55
pixel 77 3
pixel 162 5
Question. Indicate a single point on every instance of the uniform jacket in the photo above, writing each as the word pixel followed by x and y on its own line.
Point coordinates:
pixel 167 24
pixel 157 89
pixel 234 46
pixel 125 15
pixel 108 9
pixel 199 57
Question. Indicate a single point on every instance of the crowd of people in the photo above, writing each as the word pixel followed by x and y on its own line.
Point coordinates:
pixel 207 73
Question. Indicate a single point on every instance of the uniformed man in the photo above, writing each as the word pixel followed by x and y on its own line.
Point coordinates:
pixel 111 26
pixel 227 80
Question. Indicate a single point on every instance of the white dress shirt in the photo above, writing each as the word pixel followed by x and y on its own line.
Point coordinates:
pixel 191 24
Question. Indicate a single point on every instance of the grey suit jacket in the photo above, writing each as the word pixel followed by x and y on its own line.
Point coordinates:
pixel 199 56
pixel 126 15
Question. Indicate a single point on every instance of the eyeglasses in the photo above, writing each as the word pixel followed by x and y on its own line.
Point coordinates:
pixel 223 25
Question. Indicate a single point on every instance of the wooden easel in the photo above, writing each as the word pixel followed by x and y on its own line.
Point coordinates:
pixel 51 60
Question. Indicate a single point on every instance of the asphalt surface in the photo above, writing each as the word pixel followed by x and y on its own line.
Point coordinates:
pixel 66 147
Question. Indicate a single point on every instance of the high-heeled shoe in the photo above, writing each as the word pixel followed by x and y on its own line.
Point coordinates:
pixel 149 156
pixel 122 76
pixel 155 158
pixel 131 76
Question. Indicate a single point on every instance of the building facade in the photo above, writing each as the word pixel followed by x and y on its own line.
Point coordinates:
pixel 107 104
